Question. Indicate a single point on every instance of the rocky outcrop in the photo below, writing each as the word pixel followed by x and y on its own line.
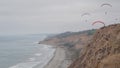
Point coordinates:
pixel 103 51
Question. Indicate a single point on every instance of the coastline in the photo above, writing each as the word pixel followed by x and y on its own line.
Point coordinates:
pixel 59 59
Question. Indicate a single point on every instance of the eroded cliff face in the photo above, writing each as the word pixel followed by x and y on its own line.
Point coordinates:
pixel 72 42
pixel 103 51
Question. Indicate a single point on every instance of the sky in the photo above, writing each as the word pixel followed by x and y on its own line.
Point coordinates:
pixel 54 16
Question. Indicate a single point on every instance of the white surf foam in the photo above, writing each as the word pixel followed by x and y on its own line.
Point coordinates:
pixel 44 57
pixel 32 59
pixel 38 54
pixel 25 65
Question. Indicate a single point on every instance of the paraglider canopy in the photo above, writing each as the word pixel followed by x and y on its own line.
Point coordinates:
pixel 85 14
pixel 101 22
pixel 106 4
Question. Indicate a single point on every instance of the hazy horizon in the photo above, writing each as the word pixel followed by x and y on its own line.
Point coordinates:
pixel 19 17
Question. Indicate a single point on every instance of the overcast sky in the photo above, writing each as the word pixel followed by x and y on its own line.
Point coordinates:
pixel 54 16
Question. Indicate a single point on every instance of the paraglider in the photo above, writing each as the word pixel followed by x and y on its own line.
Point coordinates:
pixel 98 22
pixel 84 15
pixel 116 19
pixel 105 13
pixel 106 4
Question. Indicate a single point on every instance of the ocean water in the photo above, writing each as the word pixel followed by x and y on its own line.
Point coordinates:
pixel 24 52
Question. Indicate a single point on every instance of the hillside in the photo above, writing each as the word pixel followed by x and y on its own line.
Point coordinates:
pixel 103 51
pixel 73 42
pixel 69 39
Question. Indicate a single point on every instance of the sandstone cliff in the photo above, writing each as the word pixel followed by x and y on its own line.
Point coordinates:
pixel 73 42
pixel 70 39
pixel 103 51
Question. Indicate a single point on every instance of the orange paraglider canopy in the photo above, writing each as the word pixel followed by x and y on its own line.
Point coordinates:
pixel 98 22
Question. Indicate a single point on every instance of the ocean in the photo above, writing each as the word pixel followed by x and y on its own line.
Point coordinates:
pixel 24 52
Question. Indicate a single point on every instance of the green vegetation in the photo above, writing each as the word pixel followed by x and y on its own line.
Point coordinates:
pixel 66 34
pixel 91 32
pixel 69 45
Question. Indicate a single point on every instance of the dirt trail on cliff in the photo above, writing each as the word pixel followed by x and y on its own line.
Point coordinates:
pixel 103 51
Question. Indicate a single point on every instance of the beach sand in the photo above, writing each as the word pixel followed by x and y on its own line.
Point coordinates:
pixel 59 59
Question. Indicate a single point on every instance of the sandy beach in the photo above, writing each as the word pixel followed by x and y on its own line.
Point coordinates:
pixel 59 60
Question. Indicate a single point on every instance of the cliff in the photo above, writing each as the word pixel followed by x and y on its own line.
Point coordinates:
pixel 72 42
pixel 103 51
pixel 70 39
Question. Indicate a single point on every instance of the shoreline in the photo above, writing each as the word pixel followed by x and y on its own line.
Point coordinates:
pixel 58 60
pixel 50 59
